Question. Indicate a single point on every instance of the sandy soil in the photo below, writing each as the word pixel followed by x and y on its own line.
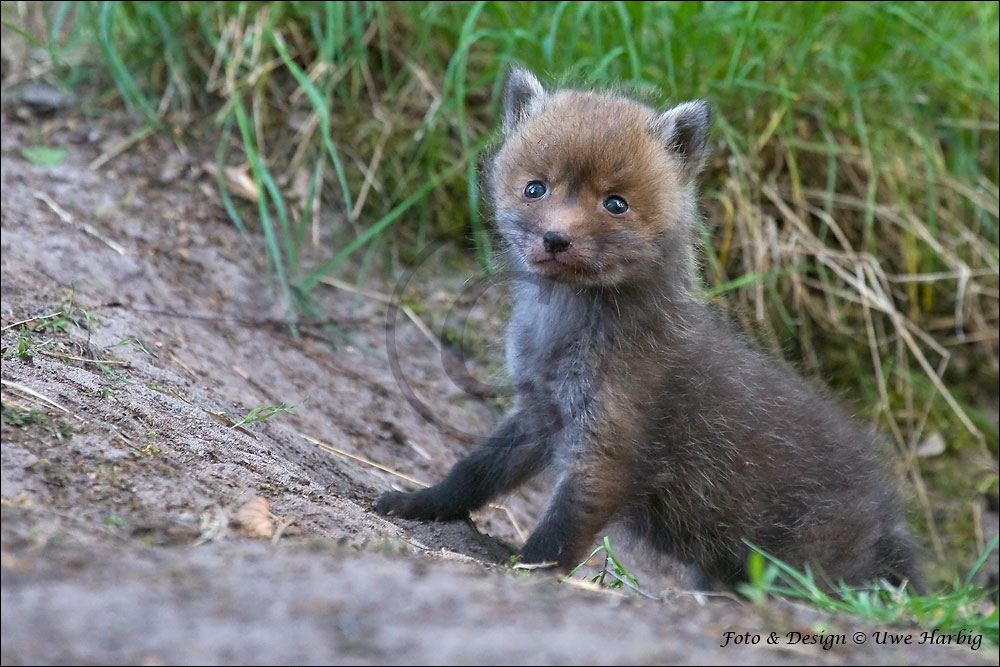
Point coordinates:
pixel 119 537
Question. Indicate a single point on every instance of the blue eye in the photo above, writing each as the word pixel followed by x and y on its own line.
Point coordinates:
pixel 535 190
pixel 615 205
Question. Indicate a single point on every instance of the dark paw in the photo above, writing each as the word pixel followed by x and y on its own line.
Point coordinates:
pixel 419 506
pixel 539 554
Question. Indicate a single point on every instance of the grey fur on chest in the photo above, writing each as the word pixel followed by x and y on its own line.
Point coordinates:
pixel 553 341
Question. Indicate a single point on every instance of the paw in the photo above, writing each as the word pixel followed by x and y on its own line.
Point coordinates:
pixel 398 503
pixel 419 506
pixel 540 555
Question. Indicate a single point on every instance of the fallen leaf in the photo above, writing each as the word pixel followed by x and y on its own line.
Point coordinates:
pixel 255 517
pixel 240 183
pixel 238 180
pixel 932 445
pixel 43 156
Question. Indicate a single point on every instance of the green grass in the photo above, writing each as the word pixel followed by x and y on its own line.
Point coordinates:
pixel 263 412
pixel 851 207
pixel 15 415
pixel 620 576
pixel 57 321
pixel 21 348
pixel 962 606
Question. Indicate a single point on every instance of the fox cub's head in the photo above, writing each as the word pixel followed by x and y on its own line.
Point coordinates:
pixel 594 188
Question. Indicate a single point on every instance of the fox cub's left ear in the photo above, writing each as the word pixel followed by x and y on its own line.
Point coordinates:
pixel 684 132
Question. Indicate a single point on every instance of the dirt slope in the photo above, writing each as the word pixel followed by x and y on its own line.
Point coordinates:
pixel 121 473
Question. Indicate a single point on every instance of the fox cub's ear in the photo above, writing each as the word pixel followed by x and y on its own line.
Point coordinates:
pixel 684 132
pixel 522 96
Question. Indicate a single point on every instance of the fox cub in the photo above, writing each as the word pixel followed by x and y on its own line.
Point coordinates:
pixel 654 412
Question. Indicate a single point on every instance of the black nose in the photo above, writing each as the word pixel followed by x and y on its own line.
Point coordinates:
pixel 555 241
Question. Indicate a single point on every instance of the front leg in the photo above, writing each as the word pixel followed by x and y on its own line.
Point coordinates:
pixel 516 450
pixel 584 501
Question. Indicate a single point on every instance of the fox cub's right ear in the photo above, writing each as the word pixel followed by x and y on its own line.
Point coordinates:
pixel 521 97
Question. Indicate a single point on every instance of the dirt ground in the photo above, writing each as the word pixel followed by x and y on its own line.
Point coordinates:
pixel 123 477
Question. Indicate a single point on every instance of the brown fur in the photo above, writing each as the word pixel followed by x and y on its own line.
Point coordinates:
pixel 655 413
pixel 583 157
